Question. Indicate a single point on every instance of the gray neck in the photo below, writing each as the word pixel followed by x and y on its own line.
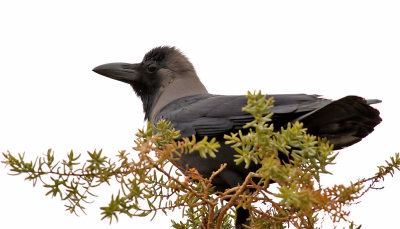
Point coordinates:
pixel 176 88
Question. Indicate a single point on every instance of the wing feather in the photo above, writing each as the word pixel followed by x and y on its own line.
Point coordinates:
pixel 215 115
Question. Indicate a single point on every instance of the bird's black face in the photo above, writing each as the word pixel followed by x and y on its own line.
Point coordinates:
pixel 156 70
pixel 142 77
pixel 159 68
pixel 144 74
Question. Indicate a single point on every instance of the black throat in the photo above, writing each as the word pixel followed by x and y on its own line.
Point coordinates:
pixel 148 96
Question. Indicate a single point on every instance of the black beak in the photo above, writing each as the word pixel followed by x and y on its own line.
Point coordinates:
pixel 119 71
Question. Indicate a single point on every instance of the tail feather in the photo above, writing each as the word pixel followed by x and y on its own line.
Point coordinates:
pixel 373 101
pixel 344 122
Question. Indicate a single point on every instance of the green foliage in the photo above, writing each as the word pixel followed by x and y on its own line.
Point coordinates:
pixel 286 189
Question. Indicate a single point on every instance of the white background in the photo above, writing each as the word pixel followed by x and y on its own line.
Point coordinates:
pixel 50 98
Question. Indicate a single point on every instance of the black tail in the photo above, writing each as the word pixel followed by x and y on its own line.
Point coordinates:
pixel 344 122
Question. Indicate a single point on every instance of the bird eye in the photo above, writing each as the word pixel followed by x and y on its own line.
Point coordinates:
pixel 151 68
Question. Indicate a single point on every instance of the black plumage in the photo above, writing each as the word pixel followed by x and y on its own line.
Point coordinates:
pixel 170 89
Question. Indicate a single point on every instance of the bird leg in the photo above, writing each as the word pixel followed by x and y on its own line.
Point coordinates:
pixel 242 216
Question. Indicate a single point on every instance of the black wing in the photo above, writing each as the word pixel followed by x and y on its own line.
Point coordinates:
pixel 215 115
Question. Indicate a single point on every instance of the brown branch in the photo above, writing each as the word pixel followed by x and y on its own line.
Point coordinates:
pixel 186 187
pixel 232 201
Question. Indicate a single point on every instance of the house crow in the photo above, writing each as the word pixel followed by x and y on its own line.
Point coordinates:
pixel 170 89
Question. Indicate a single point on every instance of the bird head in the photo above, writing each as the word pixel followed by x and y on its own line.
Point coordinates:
pixel 164 74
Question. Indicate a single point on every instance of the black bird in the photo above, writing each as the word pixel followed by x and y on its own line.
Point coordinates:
pixel 170 89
